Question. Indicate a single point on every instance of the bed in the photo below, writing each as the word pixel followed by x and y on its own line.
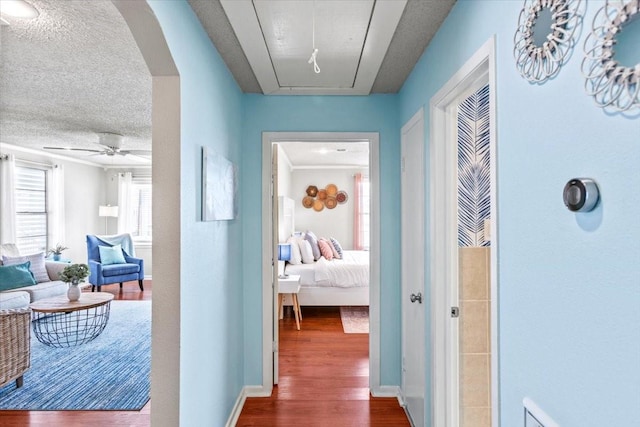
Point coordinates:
pixel 337 282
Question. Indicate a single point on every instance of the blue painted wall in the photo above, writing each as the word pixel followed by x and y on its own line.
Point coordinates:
pixel 211 345
pixel 322 113
pixel 569 297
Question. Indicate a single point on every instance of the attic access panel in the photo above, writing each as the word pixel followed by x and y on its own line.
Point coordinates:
pixel 340 34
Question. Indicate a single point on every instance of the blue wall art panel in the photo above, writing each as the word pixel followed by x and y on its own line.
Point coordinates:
pixel 474 177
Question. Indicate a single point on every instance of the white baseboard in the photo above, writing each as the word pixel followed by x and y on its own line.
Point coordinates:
pixel 247 391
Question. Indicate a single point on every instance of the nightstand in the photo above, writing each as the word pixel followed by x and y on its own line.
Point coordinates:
pixel 290 285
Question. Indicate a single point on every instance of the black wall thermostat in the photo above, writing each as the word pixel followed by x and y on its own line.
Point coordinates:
pixel 581 194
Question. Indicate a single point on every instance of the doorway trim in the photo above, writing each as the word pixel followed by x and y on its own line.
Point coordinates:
pixel 443 212
pixel 165 136
pixel 268 139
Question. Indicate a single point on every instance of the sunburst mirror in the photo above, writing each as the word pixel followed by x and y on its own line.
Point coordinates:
pixel 544 38
pixel 611 65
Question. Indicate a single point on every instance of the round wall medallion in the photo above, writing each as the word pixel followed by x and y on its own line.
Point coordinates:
pixel 612 75
pixel 545 37
pixel 307 201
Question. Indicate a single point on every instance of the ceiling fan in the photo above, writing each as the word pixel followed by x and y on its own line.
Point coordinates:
pixel 112 143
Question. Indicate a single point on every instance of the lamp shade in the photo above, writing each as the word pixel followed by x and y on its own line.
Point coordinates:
pixel 108 210
pixel 284 251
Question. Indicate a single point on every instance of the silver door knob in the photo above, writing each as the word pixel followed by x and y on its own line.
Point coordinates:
pixel 416 297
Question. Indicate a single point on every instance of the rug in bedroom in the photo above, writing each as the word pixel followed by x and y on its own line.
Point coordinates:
pixel 108 373
pixel 355 319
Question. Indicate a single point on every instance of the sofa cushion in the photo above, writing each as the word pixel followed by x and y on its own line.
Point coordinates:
pixel 45 290
pixel 14 299
pixel 119 269
pixel 15 276
pixel 37 265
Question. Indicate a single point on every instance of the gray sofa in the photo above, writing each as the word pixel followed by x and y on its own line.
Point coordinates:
pixel 22 297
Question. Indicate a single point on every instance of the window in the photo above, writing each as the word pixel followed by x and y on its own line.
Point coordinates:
pixel 362 210
pixel 140 208
pixel 31 209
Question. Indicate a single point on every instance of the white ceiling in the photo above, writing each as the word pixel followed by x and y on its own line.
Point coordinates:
pixel 75 71
pixel 310 155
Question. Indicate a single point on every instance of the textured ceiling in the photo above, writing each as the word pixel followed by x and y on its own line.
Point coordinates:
pixel 75 71
pixel 71 73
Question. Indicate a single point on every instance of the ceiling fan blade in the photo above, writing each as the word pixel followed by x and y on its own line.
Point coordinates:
pixel 72 149
pixel 146 153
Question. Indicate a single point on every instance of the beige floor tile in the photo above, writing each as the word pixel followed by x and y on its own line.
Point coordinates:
pixel 475 417
pixel 474 380
pixel 474 335
pixel 473 274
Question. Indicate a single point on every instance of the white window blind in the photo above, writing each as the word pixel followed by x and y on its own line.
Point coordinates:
pixel 31 209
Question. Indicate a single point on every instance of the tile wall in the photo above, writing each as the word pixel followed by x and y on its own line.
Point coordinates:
pixel 475 342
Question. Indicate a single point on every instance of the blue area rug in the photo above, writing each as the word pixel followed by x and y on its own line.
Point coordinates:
pixel 109 373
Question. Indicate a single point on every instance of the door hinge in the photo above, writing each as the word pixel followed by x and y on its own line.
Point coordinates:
pixel 274 347
pixel 402 165
pixel 455 312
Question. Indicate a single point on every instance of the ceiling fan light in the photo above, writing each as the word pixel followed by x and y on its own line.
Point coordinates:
pixel 112 140
pixel 18 9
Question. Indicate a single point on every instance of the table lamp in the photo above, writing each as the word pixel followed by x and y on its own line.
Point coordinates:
pixel 284 254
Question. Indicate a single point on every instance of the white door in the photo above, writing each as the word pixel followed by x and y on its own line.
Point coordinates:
pixel 413 296
pixel 274 261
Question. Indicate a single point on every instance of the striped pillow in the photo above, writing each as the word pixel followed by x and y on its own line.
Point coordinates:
pixel 38 267
pixel 338 247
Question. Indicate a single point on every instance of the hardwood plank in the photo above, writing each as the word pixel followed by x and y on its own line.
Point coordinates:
pixel 324 379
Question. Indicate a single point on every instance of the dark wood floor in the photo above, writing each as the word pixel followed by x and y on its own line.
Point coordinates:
pixel 142 418
pixel 323 382
pixel 324 376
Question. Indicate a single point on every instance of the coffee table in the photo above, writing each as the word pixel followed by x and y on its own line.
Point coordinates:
pixel 58 322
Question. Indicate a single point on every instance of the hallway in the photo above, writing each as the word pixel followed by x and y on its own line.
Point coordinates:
pixel 323 379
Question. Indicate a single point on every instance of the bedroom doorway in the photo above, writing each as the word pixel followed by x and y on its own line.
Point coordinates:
pixel 271 164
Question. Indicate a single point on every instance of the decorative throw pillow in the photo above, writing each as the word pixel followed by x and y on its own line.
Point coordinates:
pixel 111 254
pixel 336 255
pixel 16 276
pixel 325 249
pixel 296 256
pixel 38 266
pixel 338 246
pixel 307 253
pixel 313 241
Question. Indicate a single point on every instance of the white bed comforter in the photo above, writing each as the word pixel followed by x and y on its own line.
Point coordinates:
pixel 350 271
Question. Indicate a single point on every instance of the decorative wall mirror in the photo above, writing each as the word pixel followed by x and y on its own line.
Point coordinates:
pixel 611 65
pixel 545 37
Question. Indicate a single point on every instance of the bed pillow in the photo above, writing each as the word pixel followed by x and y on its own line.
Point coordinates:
pixel 305 250
pixel 296 256
pixel 338 247
pixel 336 255
pixel 111 255
pixel 38 266
pixel 16 276
pixel 325 249
pixel 313 241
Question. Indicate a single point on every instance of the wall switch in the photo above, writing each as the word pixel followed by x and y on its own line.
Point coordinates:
pixel 536 417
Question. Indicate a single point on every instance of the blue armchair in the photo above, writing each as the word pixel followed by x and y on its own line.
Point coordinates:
pixel 105 274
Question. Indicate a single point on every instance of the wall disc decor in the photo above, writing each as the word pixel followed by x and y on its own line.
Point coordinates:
pixel 612 75
pixel 544 38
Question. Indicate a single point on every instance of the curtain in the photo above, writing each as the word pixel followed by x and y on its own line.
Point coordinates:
pixel 7 201
pixel 357 208
pixel 55 193
pixel 124 196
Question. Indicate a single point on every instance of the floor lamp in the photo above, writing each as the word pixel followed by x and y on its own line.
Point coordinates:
pixel 107 211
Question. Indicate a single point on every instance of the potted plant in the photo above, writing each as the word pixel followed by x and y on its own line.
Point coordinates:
pixel 56 251
pixel 74 274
